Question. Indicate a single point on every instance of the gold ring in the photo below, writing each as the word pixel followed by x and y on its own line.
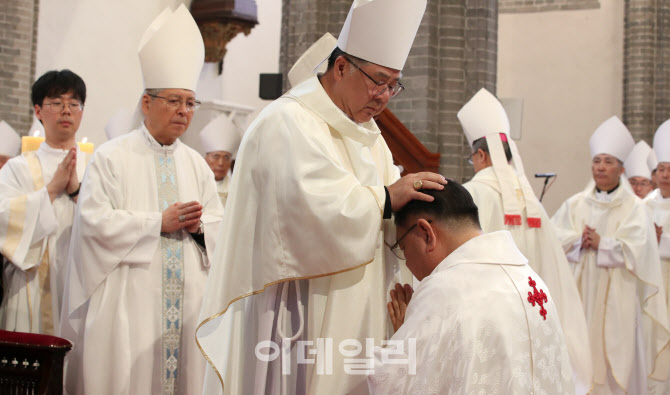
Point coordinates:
pixel 182 218
pixel 418 184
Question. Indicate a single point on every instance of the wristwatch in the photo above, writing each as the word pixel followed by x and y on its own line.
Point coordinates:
pixel 75 193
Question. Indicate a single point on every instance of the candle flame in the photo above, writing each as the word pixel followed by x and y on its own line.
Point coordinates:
pixel 84 140
pixel 36 133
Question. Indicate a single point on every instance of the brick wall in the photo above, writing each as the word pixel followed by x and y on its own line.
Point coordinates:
pixel 454 55
pixel 18 38
pixel 646 66
pixel 513 6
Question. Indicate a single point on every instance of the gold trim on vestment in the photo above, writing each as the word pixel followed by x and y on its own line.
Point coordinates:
pixel 255 293
pixel 17 216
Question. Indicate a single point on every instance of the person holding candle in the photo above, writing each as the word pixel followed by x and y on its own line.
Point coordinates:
pixel 38 194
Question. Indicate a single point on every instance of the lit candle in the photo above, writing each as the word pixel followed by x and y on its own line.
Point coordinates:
pixel 31 143
pixel 86 147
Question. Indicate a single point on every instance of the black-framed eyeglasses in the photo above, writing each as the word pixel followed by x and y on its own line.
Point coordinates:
pixel 380 86
pixel 56 107
pixel 469 158
pixel 395 248
pixel 175 103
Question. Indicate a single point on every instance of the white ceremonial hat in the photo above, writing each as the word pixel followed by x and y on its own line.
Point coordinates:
pixel 613 138
pixel 312 61
pixel 652 162
pixel 120 123
pixel 381 31
pixel 11 142
pixel 483 115
pixel 636 163
pixel 221 134
pixel 171 51
pixel 662 142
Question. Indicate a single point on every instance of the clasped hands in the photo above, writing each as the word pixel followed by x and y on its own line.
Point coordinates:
pixel 189 213
pixel 400 297
pixel 65 178
pixel 590 238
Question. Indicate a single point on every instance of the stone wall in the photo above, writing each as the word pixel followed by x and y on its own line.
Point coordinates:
pixel 18 41
pixel 512 6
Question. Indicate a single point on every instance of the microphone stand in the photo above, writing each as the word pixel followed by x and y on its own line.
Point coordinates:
pixel 544 187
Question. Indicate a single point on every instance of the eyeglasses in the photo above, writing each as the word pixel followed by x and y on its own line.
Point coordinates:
pixel 220 157
pixel 380 86
pixel 175 103
pixel 643 183
pixel 395 249
pixel 469 158
pixel 57 107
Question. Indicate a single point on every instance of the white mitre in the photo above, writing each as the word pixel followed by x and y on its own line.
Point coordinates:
pixel 11 142
pixel 662 142
pixel 652 162
pixel 312 62
pixel 484 116
pixel 120 123
pixel 636 163
pixel 171 51
pixel 613 138
pixel 381 31
pixel 221 134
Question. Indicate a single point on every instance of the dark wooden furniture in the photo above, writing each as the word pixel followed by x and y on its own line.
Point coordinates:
pixel 31 364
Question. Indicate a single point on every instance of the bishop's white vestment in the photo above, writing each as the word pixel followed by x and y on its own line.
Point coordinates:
pixel 620 285
pixel 483 322
pixel 133 294
pixel 223 187
pixel 545 255
pixel 35 239
pixel 659 210
pixel 301 255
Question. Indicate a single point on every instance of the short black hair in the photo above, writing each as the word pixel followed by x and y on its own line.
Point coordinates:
pixel 337 52
pixel 484 146
pixel 453 206
pixel 55 83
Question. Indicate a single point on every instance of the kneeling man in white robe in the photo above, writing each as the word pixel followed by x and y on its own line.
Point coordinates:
pixel 480 321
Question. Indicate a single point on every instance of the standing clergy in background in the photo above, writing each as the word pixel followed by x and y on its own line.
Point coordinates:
pixel 612 247
pixel 38 195
pixel 466 330
pixel 302 253
pixel 506 202
pixel 139 255
pixel 658 203
pixel 637 169
pixel 11 143
pixel 220 140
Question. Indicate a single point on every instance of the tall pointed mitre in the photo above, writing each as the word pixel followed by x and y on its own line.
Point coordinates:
pixel 613 138
pixel 311 62
pixel 120 123
pixel 11 142
pixel 636 163
pixel 484 117
pixel 662 142
pixel 171 51
pixel 221 134
pixel 381 31
pixel 652 162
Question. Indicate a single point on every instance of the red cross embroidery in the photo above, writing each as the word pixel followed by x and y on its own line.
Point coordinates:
pixel 538 297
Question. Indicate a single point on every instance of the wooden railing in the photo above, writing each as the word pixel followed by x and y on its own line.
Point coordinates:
pixel 407 150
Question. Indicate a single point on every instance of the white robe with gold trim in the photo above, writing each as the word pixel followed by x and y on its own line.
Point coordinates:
pixel 545 255
pixel 306 203
pixel 222 187
pixel 113 307
pixel 475 330
pixel 29 225
pixel 620 285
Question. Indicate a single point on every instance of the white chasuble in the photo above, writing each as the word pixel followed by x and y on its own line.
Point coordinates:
pixel 483 322
pixel 545 255
pixel 306 204
pixel 223 187
pixel 133 293
pixel 35 239
pixel 620 285
pixel 659 210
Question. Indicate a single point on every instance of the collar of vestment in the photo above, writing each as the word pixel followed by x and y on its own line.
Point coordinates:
pixel 45 148
pixel 488 177
pixel 499 250
pixel 155 145
pixel 657 199
pixel 311 94
pixel 607 192
pixel 617 197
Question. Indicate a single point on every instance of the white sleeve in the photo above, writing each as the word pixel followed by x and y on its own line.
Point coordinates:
pixel 610 253
pixel 664 245
pixel 574 254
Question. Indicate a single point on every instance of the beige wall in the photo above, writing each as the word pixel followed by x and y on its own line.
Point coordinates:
pixel 98 40
pixel 567 66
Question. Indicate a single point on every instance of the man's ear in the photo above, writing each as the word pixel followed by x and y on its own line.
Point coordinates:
pixel 339 67
pixel 428 234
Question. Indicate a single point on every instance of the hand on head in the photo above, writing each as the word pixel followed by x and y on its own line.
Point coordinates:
pixel 409 188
